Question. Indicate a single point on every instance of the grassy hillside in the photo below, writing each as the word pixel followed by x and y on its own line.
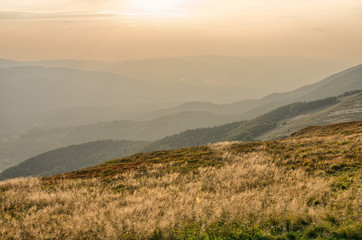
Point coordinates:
pixel 348 108
pixel 72 158
pixel 304 187
pixel 38 141
pixel 263 125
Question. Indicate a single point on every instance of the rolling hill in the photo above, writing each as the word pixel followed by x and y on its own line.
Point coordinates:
pixel 279 123
pixel 153 126
pixel 347 109
pixel 265 124
pixel 304 187
pixel 72 158
pixel 37 141
pixel 102 96
pixel 334 85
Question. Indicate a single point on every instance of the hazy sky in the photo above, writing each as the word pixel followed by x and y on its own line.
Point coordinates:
pixel 128 29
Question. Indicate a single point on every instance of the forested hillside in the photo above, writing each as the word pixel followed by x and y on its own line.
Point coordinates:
pixel 251 130
pixel 72 158
pixel 38 140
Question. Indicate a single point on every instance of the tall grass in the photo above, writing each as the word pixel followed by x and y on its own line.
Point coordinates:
pixel 248 197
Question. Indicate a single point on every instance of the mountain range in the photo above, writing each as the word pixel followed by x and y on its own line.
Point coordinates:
pixel 334 85
pixel 207 70
pixel 279 123
pixel 160 126
pixel 106 91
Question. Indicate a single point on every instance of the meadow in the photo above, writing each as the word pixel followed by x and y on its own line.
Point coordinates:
pixel 304 187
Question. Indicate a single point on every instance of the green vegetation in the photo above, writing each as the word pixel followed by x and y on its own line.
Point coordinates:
pixel 304 187
pixel 348 108
pixel 38 141
pixel 182 160
pixel 85 125
pixel 72 158
pixel 250 130
pixel 268 126
pixel 241 131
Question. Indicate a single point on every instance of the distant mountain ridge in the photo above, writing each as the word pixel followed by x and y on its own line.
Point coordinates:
pixel 251 130
pixel 279 123
pixel 38 140
pixel 246 73
pixel 155 125
pixel 58 63
pixel 336 84
pixel 173 120
pixel 28 94
pixel 131 95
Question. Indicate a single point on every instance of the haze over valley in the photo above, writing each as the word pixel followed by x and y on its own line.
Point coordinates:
pixel 180 119
pixel 128 115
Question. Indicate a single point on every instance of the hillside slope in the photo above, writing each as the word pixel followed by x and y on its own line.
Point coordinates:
pixel 304 187
pixel 259 127
pixel 284 151
pixel 38 141
pixel 275 124
pixel 348 108
pixel 72 158
pixel 336 84
pixel 150 127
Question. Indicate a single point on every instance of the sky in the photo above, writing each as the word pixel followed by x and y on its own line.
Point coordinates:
pixel 113 30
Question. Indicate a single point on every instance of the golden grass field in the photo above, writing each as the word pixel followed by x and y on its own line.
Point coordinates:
pixel 304 187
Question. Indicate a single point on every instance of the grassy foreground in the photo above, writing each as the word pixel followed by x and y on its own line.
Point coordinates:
pixel 304 187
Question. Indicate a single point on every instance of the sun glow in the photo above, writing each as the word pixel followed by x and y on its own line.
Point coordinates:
pixel 156 6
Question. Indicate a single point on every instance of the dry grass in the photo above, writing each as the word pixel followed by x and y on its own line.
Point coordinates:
pixel 253 194
pixel 189 158
pixel 246 196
